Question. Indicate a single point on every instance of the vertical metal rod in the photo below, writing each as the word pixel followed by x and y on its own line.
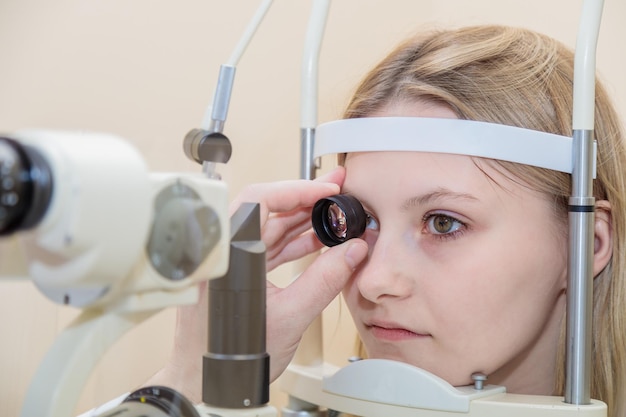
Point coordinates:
pixel 580 274
pixel 307 161
pixel 581 211
pixel 309 85
pixel 310 350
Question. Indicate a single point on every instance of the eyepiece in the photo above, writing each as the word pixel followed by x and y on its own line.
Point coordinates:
pixel 25 186
pixel 338 218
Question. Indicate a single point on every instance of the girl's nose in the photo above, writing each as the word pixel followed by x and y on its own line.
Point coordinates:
pixel 388 273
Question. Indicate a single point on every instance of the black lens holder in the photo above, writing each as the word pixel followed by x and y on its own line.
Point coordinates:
pixel 352 211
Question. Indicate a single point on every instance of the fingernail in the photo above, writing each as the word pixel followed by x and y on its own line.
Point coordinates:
pixel 356 253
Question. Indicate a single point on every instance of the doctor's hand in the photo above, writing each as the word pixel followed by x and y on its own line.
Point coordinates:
pixel 286 231
pixel 292 309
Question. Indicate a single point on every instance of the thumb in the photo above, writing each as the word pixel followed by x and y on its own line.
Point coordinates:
pixel 324 279
pixel 292 309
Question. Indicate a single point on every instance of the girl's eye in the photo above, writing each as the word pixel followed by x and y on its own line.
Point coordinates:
pixel 371 222
pixel 441 224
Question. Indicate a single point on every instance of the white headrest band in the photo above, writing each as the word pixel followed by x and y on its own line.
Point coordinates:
pixel 463 137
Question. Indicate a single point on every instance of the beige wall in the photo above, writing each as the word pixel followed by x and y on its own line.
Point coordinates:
pixel 145 69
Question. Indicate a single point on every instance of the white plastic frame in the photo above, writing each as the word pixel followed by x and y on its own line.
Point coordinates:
pixel 454 136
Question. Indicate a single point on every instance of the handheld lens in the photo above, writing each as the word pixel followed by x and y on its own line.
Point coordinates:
pixel 25 186
pixel 338 218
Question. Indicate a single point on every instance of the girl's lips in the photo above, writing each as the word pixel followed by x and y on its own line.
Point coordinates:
pixel 393 333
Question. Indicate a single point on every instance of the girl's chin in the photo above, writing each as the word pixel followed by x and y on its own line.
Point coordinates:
pixel 453 377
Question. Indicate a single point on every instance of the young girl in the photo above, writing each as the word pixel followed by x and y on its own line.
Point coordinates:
pixel 463 265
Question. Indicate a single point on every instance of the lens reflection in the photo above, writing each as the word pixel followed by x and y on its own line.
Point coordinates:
pixel 337 221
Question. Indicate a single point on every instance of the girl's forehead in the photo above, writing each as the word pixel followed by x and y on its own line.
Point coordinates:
pixel 410 169
pixel 402 175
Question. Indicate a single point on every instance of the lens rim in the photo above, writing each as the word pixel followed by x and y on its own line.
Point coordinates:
pixel 356 218
pixel 165 399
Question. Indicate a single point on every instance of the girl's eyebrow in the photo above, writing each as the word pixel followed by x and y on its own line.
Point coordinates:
pixel 423 199
pixel 363 202
pixel 433 196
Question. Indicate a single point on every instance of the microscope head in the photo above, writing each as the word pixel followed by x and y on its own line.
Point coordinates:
pixel 94 223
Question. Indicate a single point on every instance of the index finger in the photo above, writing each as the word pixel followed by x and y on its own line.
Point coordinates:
pixel 284 196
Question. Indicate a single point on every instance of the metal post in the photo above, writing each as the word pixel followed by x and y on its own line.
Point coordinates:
pixel 581 211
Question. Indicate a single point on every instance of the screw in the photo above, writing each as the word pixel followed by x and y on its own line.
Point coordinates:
pixel 479 380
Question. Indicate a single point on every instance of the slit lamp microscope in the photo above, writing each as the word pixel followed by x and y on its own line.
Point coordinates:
pixel 177 233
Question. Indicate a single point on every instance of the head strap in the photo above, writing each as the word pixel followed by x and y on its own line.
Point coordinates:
pixel 454 136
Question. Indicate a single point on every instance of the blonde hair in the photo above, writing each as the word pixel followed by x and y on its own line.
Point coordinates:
pixel 521 78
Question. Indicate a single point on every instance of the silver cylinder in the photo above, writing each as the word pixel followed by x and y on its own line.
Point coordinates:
pixel 580 272
pixel 307 162
pixel 221 100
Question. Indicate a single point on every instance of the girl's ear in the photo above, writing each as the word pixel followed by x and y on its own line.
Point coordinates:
pixel 603 237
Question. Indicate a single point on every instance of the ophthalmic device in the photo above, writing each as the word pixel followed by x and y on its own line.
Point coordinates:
pixel 123 244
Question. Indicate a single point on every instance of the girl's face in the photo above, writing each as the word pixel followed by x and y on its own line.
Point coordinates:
pixel 466 271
